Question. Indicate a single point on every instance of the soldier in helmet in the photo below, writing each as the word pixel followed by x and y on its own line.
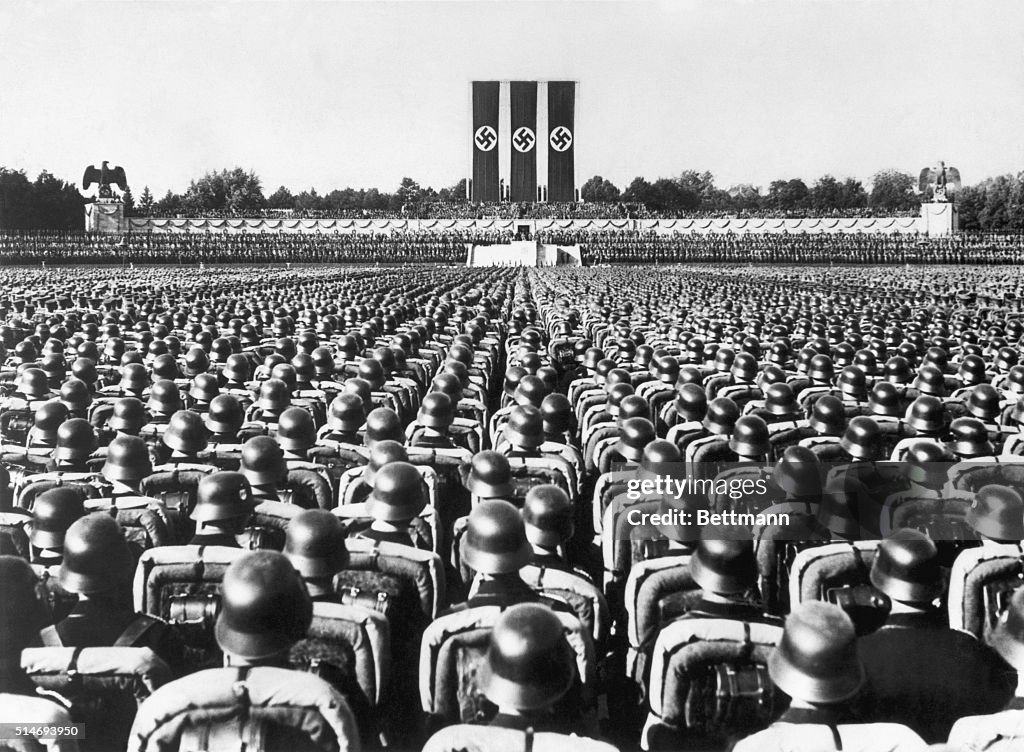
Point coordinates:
pixel 76 442
pixel 997 515
pixel 529 668
pixel 53 512
pixel 97 567
pixel 315 545
pixel 494 548
pixel 184 440
pixel 263 464
pixel 224 504
pixel 816 664
pixel 265 610
pixel 345 416
pixel 223 419
pixel 398 497
pixel 920 672
pixel 724 568
pixel 548 517
pixel 296 433
pixel 489 476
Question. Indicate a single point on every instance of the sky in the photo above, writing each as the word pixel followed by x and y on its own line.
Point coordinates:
pixel 332 94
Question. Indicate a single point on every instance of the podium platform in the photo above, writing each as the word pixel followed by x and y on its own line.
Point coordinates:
pixel 523 253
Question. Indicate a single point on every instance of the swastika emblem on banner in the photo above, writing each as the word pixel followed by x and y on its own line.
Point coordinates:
pixel 561 138
pixel 523 139
pixel 485 138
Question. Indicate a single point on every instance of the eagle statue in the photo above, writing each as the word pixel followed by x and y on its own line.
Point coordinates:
pixel 104 176
pixel 945 181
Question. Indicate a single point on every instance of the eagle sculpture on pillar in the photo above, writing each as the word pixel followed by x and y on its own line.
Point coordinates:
pixel 104 176
pixel 945 181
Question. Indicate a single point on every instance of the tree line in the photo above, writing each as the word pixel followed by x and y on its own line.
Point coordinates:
pixel 993 205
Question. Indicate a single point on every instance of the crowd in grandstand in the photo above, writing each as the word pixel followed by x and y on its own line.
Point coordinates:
pixel 251 507
pixel 597 247
pixel 522 210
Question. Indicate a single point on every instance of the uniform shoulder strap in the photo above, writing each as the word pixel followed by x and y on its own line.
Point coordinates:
pixel 836 738
pixel 134 631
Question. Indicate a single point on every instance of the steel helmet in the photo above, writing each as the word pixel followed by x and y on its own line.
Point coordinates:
pixel 315 544
pixel 359 387
pixel 53 512
pixel 225 415
pixel 530 664
pixel 821 368
pixel 33 383
pixel 884 399
pixel 926 414
pixel 779 400
pixel 723 562
pixel 930 380
pixel 164 398
pixel 983 402
pixel 399 493
pixel 928 463
pixel 96 556
pixel 490 475
pixel 265 607
pixel 185 432
pixel 223 495
pixel 75 440
pixel 262 461
pixel 634 435
pixel 798 473
pixel 127 460
pixel 513 375
pixel 237 368
pixel 274 396
pixel 383 424
pixel 861 438
pixel 495 541
pixel 373 372
pixel 525 427
pixel 548 516
pixel 906 567
pixel 449 384
pixel 970 438
pixel 816 660
pixel 744 368
pixel 556 414
pixel 204 387
pixel 691 402
pixel 128 415
pixel 296 430
pixel 721 416
pixel 436 411
pixel 75 395
pixel 853 382
pixel 134 377
pixel 997 512
pixel 47 420
pixel 828 416
pixel 382 453
pixel 750 437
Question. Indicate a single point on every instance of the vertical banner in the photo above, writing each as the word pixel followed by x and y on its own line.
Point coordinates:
pixel 523 135
pixel 485 140
pixel 561 138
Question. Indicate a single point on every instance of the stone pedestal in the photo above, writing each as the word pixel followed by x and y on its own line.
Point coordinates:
pixel 105 215
pixel 939 218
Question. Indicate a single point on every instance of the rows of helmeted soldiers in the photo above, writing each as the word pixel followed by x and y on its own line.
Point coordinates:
pixel 861 248
pixel 419 488
pixel 211 247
